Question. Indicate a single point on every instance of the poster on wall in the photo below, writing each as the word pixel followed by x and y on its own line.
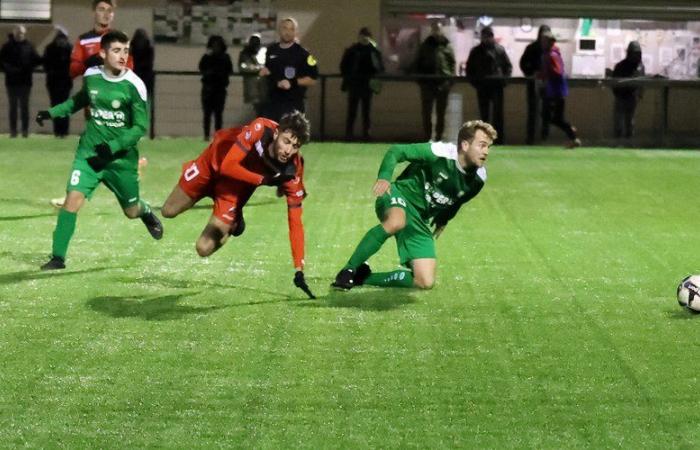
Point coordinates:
pixel 191 22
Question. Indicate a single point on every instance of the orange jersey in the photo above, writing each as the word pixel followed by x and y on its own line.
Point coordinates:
pixel 234 165
pixel 88 44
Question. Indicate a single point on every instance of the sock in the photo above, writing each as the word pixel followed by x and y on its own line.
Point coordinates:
pixel 368 246
pixel 145 208
pixel 65 226
pixel 397 278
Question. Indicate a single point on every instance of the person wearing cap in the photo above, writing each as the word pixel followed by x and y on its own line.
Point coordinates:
pixel 360 64
pixel 626 96
pixel 56 62
pixel 556 89
pixel 251 60
pixel 530 63
pixel 488 66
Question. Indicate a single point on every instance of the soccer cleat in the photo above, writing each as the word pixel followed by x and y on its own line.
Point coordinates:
pixel 362 272
pixel 55 263
pixel 344 279
pixel 239 228
pixel 153 225
pixel 57 202
pixel 573 144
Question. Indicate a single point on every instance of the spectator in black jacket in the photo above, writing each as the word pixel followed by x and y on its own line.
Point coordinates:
pixel 251 60
pixel 143 54
pixel 361 62
pixel 19 58
pixel 215 67
pixel 435 58
pixel 488 66
pixel 531 63
pixel 626 96
pixel 56 61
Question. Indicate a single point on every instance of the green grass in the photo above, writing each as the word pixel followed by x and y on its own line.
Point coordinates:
pixel 553 323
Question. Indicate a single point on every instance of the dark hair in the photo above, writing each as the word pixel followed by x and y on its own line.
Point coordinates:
pixel 298 124
pixel 97 2
pixel 487 32
pixel 113 36
pixel 364 31
pixel 214 40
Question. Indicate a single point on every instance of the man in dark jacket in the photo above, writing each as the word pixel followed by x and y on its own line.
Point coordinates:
pixel 361 62
pixel 56 61
pixel 216 68
pixel 626 97
pixel 19 58
pixel 251 60
pixel 436 58
pixel 488 66
pixel 530 63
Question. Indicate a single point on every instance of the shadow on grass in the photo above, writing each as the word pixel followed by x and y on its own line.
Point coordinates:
pixel 28 216
pixel 367 299
pixel 683 314
pixel 26 275
pixel 164 307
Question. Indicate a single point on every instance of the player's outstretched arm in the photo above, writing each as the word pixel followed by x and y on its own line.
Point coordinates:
pixel 381 187
pixel 401 153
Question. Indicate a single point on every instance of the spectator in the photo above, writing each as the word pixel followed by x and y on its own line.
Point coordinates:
pixel 556 89
pixel 56 61
pixel 250 61
pixel 361 62
pixel 19 58
pixel 530 63
pixel 487 67
pixel 435 58
pixel 215 67
pixel 86 51
pixel 290 69
pixel 626 97
pixel 143 54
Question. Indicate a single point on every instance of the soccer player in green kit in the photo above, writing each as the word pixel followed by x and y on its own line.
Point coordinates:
pixel 107 150
pixel 440 178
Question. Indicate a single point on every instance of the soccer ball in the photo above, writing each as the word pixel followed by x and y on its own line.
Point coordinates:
pixel 689 293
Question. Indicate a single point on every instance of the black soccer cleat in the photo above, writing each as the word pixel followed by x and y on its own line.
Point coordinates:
pixel 344 279
pixel 153 225
pixel 361 274
pixel 55 263
pixel 239 228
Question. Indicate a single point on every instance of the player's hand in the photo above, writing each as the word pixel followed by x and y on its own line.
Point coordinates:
pixel 284 84
pixel 97 163
pixel 300 282
pixel 104 156
pixel 41 116
pixel 264 72
pixel 103 151
pixel 94 60
pixel 381 187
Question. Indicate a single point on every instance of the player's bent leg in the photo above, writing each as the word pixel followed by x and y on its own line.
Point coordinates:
pixel 394 221
pixel 178 202
pixel 213 236
pixel 142 210
pixel 424 272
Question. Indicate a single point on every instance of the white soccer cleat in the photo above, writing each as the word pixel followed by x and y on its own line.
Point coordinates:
pixel 58 202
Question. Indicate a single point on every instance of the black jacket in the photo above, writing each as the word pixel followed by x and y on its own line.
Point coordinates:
pixel 627 68
pixel 531 61
pixel 18 62
pixel 485 62
pixel 215 69
pixel 360 63
pixel 56 62
pixel 435 57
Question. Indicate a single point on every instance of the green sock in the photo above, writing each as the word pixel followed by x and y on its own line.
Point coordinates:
pixel 145 208
pixel 368 246
pixel 397 278
pixel 65 226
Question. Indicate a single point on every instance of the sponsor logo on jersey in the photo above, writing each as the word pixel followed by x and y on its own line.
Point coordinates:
pixel 113 119
pixel 247 135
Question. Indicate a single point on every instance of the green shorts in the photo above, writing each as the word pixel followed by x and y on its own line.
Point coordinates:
pixel 121 177
pixel 416 239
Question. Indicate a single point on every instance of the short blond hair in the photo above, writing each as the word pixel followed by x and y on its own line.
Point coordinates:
pixel 469 129
pixel 289 19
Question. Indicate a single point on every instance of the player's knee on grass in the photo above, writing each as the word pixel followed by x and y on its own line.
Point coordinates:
pixel 424 273
pixel 211 240
pixel 169 211
pixel 423 281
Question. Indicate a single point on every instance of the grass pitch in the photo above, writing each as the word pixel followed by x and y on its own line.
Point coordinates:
pixel 553 323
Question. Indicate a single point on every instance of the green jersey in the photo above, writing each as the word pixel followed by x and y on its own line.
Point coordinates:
pixel 118 111
pixel 433 183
